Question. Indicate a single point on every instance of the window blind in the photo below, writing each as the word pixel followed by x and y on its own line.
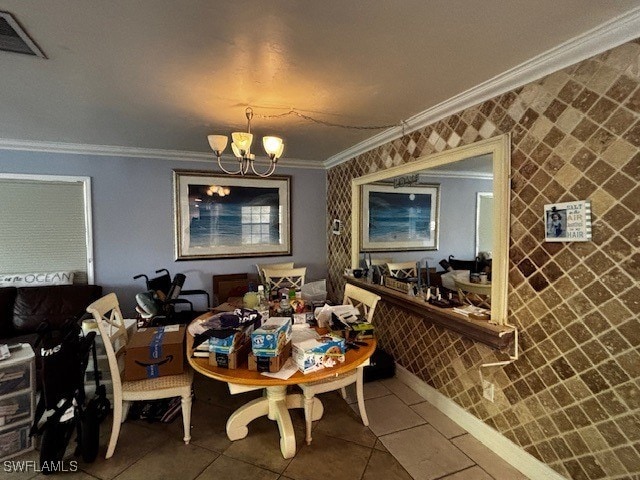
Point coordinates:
pixel 43 227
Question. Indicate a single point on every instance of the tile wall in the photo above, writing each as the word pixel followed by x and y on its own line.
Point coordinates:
pixel 573 398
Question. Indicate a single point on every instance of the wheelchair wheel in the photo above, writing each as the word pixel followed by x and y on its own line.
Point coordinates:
pixel 89 433
pixel 55 438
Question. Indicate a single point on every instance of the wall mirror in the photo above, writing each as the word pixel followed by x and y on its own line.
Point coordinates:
pixel 454 203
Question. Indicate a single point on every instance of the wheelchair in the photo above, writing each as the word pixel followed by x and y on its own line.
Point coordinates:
pixel 158 304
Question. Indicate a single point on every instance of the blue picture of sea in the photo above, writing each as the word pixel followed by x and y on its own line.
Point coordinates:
pixel 246 215
pixel 399 217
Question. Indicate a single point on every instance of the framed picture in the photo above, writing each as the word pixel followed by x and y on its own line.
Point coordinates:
pixel 395 219
pixel 221 216
pixel 568 222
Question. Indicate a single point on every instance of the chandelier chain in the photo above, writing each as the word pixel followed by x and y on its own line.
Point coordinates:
pixel 294 112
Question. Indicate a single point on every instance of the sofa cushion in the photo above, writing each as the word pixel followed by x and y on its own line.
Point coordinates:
pixel 7 299
pixel 55 304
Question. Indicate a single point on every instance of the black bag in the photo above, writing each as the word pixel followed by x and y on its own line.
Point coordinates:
pixel 381 365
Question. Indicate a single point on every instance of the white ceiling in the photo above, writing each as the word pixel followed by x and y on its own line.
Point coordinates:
pixel 163 74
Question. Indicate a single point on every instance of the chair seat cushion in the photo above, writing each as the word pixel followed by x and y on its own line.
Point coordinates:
pixel 133 390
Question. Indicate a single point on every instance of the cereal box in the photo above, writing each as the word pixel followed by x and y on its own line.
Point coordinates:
pixel 311 354
pixel 271 337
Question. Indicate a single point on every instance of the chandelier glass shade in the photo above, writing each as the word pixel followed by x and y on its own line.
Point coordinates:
pixel 241 147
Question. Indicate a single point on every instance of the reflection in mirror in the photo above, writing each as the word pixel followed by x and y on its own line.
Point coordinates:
pixel 484 222
pixel 452 205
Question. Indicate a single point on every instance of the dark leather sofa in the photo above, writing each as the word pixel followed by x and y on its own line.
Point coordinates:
pixel 22 309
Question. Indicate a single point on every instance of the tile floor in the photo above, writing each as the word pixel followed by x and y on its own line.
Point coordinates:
pixel 407 438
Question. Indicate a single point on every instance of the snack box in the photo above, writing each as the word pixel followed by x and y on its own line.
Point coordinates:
pixel 231 360
pixel 155 352
pixel 271 337
pixel 311 355
pixel 270 364
pixel 229 344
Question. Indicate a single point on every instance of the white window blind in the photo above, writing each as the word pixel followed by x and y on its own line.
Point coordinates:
pixel 45 225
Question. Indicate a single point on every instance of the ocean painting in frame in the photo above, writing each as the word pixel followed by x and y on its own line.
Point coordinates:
pixel 397 219
pixel 220 216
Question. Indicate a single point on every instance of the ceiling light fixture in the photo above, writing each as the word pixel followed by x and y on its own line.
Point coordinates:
pixel 241 146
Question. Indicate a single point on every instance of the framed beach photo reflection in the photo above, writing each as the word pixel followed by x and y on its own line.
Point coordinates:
pixel 221 216
pixel 396 219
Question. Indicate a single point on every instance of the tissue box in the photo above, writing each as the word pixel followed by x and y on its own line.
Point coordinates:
pixel 155 352
pixel 270 364
pixel 271 337
pixel 311 355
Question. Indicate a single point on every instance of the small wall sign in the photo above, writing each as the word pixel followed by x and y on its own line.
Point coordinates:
pixel 568 222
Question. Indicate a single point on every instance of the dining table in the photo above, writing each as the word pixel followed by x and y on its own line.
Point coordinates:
pixel 277 401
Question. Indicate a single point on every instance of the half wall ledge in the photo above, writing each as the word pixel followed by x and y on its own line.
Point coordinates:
pixel 495 336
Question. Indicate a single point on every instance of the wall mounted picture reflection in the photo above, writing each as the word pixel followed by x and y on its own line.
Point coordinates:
pixel 221 216
pixel 403 218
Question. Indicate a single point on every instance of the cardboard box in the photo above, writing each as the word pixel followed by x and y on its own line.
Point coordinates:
pixel 271 337
pixel 155 352
pixel 311 355
pixel 233 360
pixel 232 342
pixel 270 364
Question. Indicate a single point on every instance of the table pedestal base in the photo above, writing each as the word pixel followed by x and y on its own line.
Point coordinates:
pixel 276 407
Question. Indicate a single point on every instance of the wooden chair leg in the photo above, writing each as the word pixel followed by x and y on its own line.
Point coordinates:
pixel 308 415
pixel 125 410
pixel 186 416
pixel 115 428
pixel 343 392
pixel 360 395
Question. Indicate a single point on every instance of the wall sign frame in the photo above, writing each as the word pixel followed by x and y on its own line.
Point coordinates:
pixel 568 221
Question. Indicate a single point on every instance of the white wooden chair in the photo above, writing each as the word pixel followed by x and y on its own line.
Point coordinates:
pixel 107 314
pixel 279 278
pixel 403 269
pixel 366 302
pixel 271 266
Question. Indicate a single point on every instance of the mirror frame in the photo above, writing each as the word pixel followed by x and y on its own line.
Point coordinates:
pixel 500 149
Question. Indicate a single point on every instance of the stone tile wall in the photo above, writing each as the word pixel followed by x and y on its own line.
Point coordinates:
pixel 573 398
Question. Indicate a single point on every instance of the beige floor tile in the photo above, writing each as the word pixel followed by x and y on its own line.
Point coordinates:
pixel 75 475
pixel 134 442
pixel 208 426
pixel 402 391
pixel 172 459
pixel 425 453
pixel 487 459
pixel 261 446
pixel 328 458
pixel 383 466
pixel 389 414
pixel 369 390
pixel 379 446
pixel 224 467
pixel 473 473
pixel 23 469
pixel 340 421
pixel 439 420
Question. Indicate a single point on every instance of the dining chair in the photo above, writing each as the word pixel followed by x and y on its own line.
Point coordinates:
pixel 271 266
pixel 365 302
pixel 279 278
pixel 403 269
pixel 106 312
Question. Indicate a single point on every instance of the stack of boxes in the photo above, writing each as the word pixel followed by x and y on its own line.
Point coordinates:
pixel 270 345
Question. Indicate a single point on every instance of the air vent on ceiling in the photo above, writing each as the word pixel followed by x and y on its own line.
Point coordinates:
pixel 13 38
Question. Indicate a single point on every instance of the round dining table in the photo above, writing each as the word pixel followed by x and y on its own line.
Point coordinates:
pixel 277 402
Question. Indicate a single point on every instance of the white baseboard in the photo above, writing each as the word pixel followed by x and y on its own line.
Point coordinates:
pixel 491 438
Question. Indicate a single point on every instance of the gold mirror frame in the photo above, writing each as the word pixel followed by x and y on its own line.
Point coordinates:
pixel 499 148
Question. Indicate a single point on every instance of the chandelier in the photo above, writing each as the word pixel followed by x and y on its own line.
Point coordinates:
pixel 241 147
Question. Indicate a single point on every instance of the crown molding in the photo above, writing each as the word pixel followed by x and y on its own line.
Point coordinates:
pixel 468 174
pixel 610 34
pixel 134 152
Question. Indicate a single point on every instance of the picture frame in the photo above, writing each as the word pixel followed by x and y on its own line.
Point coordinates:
pixel 222 216
pixel 399 219
pixel 568 221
